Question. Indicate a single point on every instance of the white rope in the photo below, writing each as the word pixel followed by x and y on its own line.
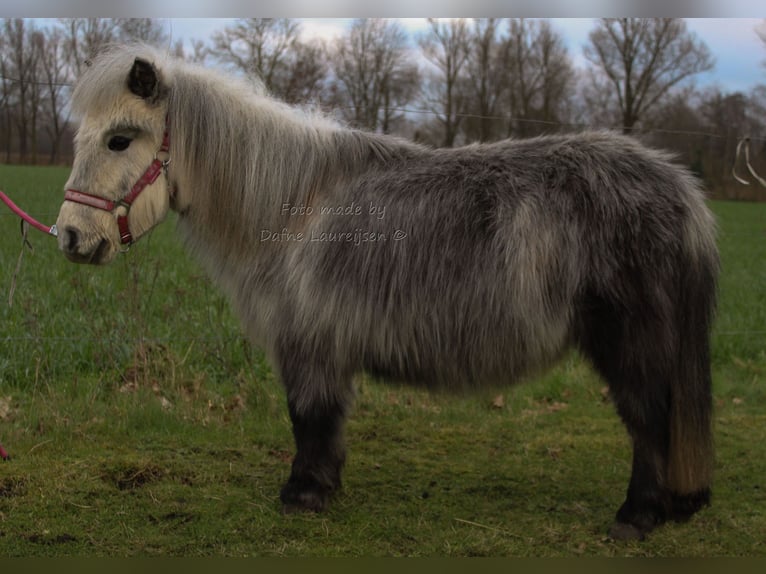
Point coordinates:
pixel 746 141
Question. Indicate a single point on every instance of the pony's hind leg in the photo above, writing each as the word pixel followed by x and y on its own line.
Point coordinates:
pixel 317 401
pixel 630 356
pixel 647 501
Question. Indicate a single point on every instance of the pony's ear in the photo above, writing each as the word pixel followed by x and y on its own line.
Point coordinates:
pixel 144 80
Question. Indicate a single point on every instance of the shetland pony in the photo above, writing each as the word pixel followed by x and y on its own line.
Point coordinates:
pixel 344 251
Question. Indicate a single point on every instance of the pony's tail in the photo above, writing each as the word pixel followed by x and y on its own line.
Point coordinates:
pixel 690 454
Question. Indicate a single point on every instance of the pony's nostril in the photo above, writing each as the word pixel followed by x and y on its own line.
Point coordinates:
pixel 71 239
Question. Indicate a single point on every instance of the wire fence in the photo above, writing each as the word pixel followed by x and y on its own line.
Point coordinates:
pixel 238 337
pixel 736 139
pixel 560 126
pixel 575 125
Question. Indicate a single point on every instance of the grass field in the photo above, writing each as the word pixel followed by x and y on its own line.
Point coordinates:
pixel 140 423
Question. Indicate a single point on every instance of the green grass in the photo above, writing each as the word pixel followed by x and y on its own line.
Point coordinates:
pixel 141 423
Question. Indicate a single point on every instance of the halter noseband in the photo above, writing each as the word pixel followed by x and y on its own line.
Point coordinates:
pixel 149 177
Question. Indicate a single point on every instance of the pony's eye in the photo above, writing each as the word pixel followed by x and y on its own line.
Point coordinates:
pixel 118 143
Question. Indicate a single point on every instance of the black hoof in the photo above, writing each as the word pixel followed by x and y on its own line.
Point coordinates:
pixel 625 531
pixel 635 521
pixel 305 496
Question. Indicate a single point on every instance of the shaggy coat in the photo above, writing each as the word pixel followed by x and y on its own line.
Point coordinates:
pixel 344 251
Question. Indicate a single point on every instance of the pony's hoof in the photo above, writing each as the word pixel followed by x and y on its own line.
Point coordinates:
pixel 302 498
pixel 626 531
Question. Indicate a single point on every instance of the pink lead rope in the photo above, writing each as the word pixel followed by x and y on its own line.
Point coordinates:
pixel 23 215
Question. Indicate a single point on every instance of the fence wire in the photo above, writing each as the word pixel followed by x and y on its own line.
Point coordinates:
pixel 239 337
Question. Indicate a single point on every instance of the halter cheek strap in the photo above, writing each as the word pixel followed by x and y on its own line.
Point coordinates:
pixel 149 177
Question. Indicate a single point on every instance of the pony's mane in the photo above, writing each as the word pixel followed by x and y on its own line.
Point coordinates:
pixel 262 152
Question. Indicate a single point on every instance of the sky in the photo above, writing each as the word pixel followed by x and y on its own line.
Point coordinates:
pixel 739 54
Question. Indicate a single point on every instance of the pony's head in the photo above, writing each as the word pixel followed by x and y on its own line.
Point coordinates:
pixel 117 190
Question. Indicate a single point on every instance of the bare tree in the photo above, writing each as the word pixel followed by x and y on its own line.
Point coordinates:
pixel 676 124
pixel 487 81
pixel 84 37
pixel 302 77
pixel 373 73
pixel 147 30
pixel 53 74
pixel 6 95
pixel 557 74
pixel 523 71
pixel 270 49
pixel 597 105
pixel 445 46
pixel 256 46
pixel 643 58
pixel 199 51
pixel 21 56
pixel 35 46
pixel 540 75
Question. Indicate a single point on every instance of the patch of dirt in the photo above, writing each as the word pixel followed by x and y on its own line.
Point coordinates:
pixel 176 518
pixel 132 476
pixel 48 540
pixel 12 486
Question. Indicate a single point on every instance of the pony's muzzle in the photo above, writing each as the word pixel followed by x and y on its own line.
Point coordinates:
pixel 87 235
pixel 70 242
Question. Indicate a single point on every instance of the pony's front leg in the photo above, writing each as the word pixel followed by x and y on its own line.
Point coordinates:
pixel 318 408
pixel 320 455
